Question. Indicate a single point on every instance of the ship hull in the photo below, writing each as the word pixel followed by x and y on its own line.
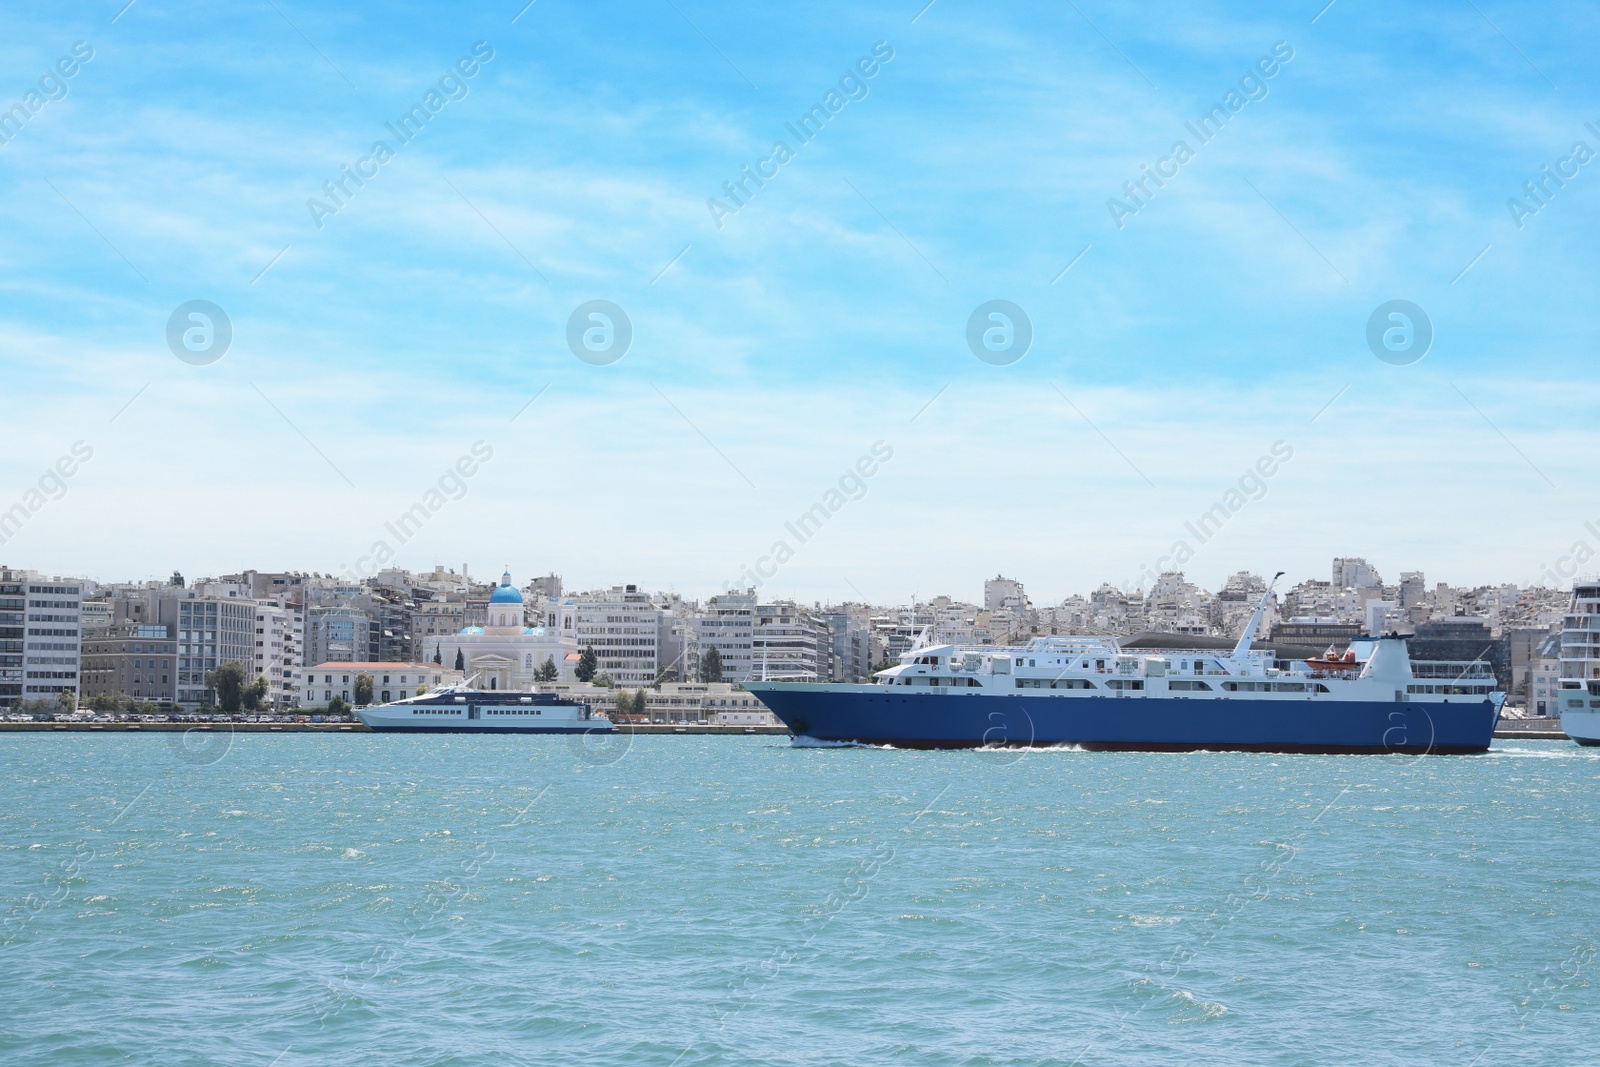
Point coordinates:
pixel 943 719
pixel 467 729
pixel 1582 726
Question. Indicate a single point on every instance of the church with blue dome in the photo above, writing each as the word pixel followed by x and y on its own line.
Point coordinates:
pixel 508 652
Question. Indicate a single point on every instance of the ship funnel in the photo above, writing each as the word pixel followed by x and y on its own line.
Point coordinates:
pixel 1249 635
pixel 1390 660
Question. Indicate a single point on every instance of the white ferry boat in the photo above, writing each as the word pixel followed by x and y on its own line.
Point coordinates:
pixel 462 710
pixel 1580 664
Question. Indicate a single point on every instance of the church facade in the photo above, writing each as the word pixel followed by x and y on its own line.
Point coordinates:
pixel 507 653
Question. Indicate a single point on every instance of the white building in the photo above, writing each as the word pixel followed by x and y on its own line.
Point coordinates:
pixel 336 634
pixel 1544 678
pixel 55 631
pixel 727 624
pixel 41 631
pixel 790 644
pixel 624 628
pixel 279 648
pixel 721 703
pixel 210 631
pixel 390 681
pixel 1004 593
pixel 506 653
pixel 1383 616
pixel 1353 572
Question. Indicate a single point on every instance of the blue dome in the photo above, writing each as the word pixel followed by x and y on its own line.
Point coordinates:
pixel 506 593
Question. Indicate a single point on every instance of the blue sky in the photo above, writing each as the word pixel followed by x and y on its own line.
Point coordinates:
pixel 1228 313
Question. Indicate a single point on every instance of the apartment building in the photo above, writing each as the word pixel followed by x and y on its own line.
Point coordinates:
pixel 1544 678
pixel 137 661
pixel 210 631
pixel 13 627
pixel 790 644
pixel 41 633
pixel 279 646
pixel 337 634
pixel 726 623
pixel 623 626
pixel 433 623
pixel 850 647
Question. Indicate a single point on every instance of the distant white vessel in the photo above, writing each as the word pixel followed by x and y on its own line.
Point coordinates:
pixel 462 710
pixel 1580 664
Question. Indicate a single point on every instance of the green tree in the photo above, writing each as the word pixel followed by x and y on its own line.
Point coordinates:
pixel 337 706
pixel 363 690
pixel 588 663
pixel 711 665
pixel 461 662
pixel 67 699
pixel 548 671
pixel 624 704
pixel 604 680
pixel 38 706
pixel 103 703
pixel 228 682
pixel 641 706
pixel 438 657
pixel 255 694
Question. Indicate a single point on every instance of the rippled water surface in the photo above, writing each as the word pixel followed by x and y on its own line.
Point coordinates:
pixel 295 899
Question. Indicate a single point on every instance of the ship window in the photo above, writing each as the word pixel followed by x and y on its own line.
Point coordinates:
pixel 1191 686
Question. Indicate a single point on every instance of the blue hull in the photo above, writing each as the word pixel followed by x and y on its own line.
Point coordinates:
pixel 1153 724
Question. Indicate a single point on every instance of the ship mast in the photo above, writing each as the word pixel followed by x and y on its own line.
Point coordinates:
pixel 1249 635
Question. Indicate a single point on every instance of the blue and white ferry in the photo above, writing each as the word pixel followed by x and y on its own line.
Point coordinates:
pixel 461 709
pixel 1091 693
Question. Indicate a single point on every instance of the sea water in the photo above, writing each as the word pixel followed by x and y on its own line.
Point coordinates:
pixel 290 899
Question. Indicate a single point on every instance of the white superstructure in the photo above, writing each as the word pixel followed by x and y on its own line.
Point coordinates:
pixel 1580 664
pixel 458 709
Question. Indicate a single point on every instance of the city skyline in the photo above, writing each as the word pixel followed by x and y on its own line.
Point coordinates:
pixel 164 641
pixel 488 574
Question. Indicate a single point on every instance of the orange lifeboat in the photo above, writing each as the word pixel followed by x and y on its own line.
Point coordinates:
pixel 1332 661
